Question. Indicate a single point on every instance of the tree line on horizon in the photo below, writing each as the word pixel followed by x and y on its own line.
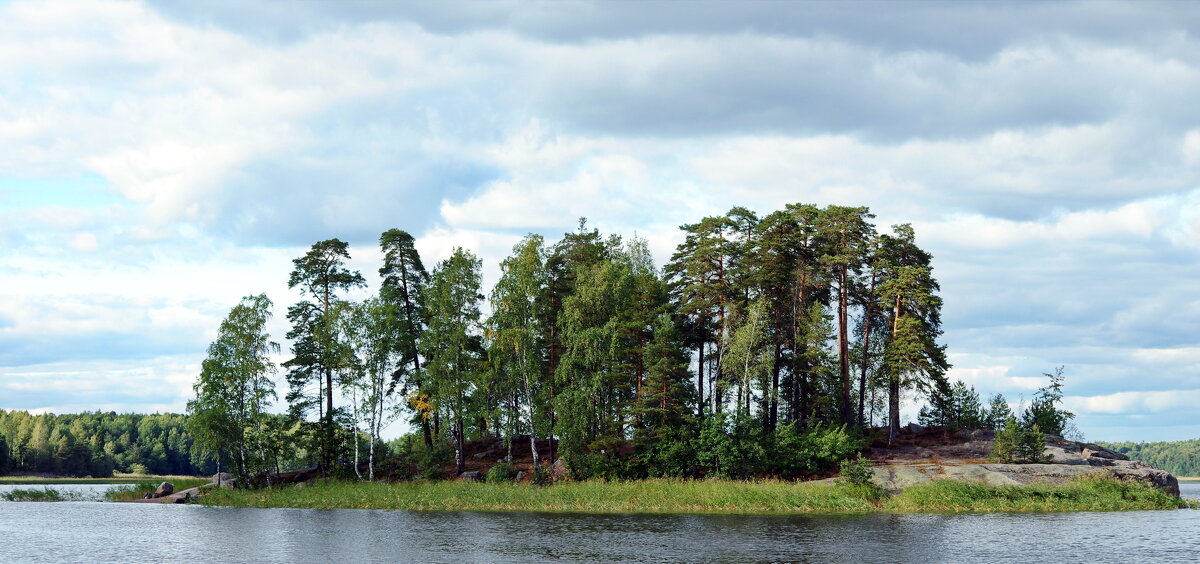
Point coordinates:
pixel 760 332
pixel 97 444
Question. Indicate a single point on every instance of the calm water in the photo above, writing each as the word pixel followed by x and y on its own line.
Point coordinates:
pixel 115 532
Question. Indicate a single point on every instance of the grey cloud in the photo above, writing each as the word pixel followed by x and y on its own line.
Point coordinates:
pixel 971 30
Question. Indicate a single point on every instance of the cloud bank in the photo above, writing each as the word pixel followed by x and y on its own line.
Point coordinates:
pixel 160 160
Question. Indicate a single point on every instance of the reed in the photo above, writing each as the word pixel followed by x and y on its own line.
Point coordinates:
pixel 708 496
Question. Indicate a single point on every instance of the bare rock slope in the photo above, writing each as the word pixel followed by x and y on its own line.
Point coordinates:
pixel 921 455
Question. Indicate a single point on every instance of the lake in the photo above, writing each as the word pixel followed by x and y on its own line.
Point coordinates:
pixel 122 532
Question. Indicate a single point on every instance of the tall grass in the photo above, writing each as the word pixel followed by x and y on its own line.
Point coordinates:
pixel 44 494
pixel 645 496
pixel 1086 493
pixel 682 496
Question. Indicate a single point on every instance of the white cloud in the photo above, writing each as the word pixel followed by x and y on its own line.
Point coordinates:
pixel 1151 402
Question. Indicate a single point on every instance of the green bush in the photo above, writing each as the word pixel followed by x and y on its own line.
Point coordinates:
pixel 668 453
pixel 815 450
pixel 500 473
pixel 857 471
pixel 731 448
pixel 1016 444
pixel 418 460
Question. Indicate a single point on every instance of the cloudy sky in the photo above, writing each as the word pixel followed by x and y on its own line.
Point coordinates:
pixel 159 161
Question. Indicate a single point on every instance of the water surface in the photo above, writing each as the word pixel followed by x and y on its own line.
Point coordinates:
pixel 115 532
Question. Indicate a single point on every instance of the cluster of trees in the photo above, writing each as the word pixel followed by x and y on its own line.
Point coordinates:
pixel 97 443
pixel 759 331
pixel 1181 458
pixel 959 407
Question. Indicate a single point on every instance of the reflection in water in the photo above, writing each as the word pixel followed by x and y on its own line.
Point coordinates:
pixel 109 532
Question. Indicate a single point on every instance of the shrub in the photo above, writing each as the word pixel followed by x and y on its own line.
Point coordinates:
pixel 732 449
pixel 670 452
pixel 814 450
pixel 1016 444
pixel 500 473
pixel 542 476
pixel 857 471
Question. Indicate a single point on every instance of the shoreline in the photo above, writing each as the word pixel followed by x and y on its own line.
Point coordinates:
pixel 707 497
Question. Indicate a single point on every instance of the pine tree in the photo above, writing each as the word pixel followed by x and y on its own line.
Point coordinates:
pixel 320 275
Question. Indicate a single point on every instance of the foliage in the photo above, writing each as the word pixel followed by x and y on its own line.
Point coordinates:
pixel 856 471
pixel 235 388
pixel 1017 444
pixel 1044 410
pixel 97 443
pixel 316 353
pixel 501 472
pixel 817 449
pixel 419 460
pixel 1181 458
pixel 957 408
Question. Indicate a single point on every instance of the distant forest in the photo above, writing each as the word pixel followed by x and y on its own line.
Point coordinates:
pixel 95 444
pixel 1181 458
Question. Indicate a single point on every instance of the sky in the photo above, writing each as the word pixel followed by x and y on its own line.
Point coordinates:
pixel 158 161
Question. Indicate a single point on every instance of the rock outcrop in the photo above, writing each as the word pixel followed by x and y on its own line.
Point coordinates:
pixel 164 489
pixel 923 455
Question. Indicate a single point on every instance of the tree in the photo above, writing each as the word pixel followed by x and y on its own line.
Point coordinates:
pixel 960 408
pixel 5 457
pixel 844 233
pixel 404 280
pixel 998 412
pixel 700 282
pixel 1044 410
pixel 370 332
pixel 451 344
pixel 320 275
pixel 913 357
pixel 516 330
pixel 1016 443
pixel 235 387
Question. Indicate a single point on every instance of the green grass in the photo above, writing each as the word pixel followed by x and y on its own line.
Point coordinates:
pixel 1087 493
pixel 725 497
pixel 44 494
pixel 130 492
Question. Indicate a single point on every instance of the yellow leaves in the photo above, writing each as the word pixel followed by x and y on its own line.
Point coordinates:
pixel 420 403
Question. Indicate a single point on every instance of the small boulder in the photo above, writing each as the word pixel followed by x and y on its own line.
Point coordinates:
pixel 472 476
pixel 558 470
pixel 164 489
pixel 915 428
pixel 520 476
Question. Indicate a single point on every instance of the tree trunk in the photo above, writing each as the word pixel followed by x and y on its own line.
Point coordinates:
pixel 894 385
pixel 774 405
pixel 844 346
pixel 700 385
pixel 862 377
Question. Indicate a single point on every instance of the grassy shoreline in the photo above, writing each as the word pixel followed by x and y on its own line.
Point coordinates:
pixel 707 497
